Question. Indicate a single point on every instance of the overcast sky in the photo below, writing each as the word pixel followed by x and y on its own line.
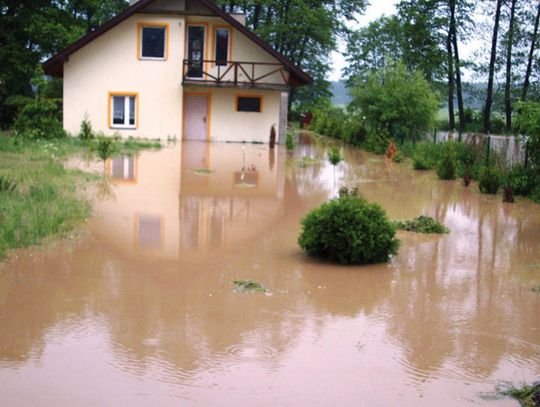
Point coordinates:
pixel 377 9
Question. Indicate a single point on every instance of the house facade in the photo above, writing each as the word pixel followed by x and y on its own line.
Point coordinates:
pixel 176 68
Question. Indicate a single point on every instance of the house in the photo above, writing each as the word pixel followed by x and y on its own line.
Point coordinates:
pixel 176 68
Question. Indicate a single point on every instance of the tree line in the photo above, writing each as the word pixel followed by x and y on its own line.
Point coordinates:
pixel 425 35
pixel 428 36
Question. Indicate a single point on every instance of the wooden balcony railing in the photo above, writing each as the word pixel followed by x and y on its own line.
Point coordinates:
pixel 235 74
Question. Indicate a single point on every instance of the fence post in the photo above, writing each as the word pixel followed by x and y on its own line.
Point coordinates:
pixel 435 136
pixel 526 155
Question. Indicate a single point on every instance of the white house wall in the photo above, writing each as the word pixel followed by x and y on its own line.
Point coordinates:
pixel 110 64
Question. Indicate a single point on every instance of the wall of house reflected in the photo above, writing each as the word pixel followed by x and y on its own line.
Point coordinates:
pixel 191 197
pixel 239 193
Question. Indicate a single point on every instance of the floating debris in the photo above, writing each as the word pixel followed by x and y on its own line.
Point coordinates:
pixel 202 171
pixel 249 286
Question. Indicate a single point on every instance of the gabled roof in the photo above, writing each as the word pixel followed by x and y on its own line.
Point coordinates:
pixel 55 65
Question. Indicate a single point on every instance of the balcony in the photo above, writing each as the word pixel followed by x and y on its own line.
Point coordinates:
pixel 234 74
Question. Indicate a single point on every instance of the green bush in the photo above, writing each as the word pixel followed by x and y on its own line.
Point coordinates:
pixel 490 180
pixel 535 195
pixel 39 120
pixel 446 166
pixel 426 155
pixel 289 141
pixel 376 143
pixel 349 230
pixel 522 180
pixel 334 156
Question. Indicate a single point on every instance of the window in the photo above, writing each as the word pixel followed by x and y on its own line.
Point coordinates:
pixel 249 104
pixel 221 41
pixel 123 111
pixel 153 39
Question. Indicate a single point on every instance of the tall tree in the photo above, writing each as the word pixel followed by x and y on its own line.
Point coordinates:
pixel 451 79
pixel 305 31
pixel 489 92
pixel 372 48
pixel 508 81
pixel 532 49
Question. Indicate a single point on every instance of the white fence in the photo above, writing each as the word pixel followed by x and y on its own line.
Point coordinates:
pixel 510 148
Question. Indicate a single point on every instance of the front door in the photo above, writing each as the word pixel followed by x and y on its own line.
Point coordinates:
pixel 196 117
pixel 196 35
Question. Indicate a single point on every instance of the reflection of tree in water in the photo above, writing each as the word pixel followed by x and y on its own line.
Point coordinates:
pixel 444 313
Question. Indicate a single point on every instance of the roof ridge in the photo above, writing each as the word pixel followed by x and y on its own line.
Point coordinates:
pixel 54 66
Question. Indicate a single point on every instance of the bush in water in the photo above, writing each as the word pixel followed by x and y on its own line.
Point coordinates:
pixel 349 230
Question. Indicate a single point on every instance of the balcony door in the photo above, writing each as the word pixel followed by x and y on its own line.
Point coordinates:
pixel 195 46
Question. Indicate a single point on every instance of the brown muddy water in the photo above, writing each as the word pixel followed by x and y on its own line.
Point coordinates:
pixel 141 311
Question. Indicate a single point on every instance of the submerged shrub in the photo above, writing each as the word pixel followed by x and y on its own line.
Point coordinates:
pixel 490 180
pixel 447 165
pixel 522 180
pixel 426 155
pixel 349 230
pixel 289 141
pixel 249 286
pixel 39 120
pixel 334 156
pixel 422 224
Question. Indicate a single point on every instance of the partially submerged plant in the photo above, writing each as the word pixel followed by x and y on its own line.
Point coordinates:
pixel 289 141
pixel 536 289
pixel 249 286
pixel 307 160
pixel 527 395
pixel 422 224
pixel 349 230
pixel 105 148
pixel 447 165
pixel 334 156
pixel 490 180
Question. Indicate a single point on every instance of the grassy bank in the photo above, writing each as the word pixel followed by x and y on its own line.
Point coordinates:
pixel 39 198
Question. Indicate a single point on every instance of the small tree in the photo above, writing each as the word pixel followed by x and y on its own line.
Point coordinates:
pixel 334 156
pixel 397 101
pixel 86 133
pixel 105 149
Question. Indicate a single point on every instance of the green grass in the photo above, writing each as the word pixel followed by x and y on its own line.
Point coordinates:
pixel 249 286
pixel 44 199
pixel 422 224
pixel 39 198
pixel 525 394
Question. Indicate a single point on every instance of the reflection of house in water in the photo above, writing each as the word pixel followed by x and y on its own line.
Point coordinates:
pixel 142 215
pixel 237 201
pixel 193 196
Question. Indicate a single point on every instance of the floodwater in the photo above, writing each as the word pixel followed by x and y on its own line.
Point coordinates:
pixel 140 310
